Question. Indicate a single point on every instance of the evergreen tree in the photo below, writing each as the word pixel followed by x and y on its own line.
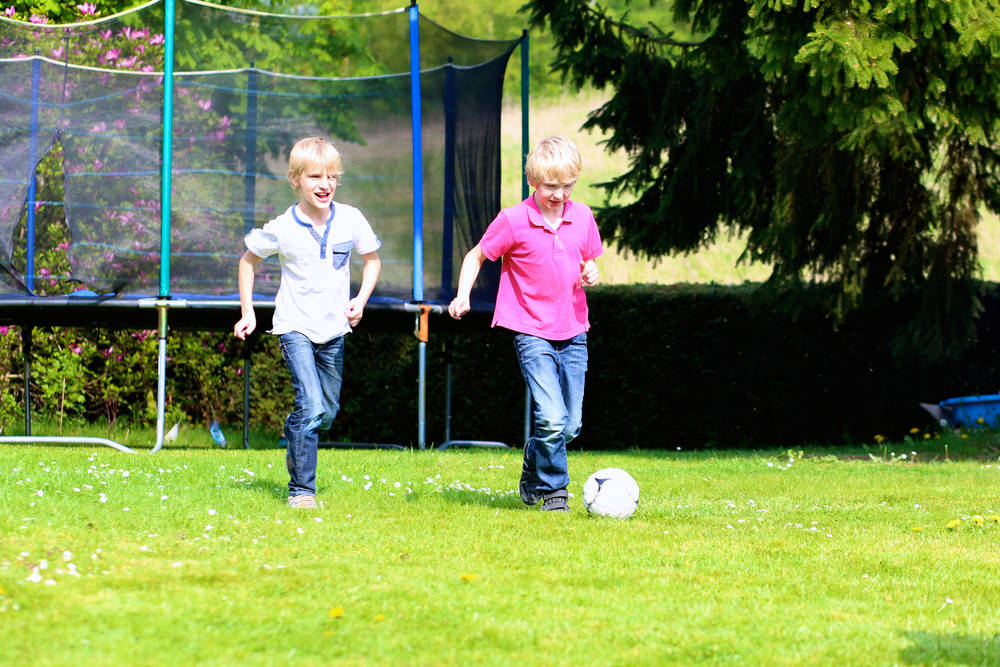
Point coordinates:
pixel 856 142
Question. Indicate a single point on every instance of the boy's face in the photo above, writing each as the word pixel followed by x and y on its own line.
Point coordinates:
pixel 551 194
pixel 316 187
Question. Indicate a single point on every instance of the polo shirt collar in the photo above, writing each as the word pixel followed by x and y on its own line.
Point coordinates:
pixel 536 218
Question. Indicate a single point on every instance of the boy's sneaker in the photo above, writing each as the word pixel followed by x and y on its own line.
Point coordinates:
pixel 304 502
pixel 528 486
pixel 557 501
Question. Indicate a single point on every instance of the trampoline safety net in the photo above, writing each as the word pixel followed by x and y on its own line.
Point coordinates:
pixel 246 86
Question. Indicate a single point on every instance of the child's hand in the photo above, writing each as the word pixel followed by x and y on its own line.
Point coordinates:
pixel 245 326
pixel 458 307
pixel 355 309
pixel 588 273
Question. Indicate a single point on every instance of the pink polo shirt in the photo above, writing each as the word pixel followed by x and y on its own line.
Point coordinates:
pixel 540 291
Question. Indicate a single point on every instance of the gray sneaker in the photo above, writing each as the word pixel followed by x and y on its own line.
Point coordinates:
pixel 303 502
pixel 556 501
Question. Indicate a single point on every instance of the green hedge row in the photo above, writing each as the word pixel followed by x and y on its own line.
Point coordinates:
pixel 670 366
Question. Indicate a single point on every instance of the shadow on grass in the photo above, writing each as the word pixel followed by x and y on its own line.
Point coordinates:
pixel 467 497
pixel 276 491
pixel 954 649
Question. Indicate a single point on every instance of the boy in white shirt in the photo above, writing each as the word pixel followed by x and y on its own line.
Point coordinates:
pixel 313 310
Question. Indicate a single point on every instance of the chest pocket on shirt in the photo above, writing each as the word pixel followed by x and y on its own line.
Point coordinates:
pixel 341 253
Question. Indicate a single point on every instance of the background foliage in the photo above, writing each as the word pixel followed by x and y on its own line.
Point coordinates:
pixel 854 142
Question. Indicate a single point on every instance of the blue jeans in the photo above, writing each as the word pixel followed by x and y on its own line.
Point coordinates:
pixel 555 371
pixel 317 373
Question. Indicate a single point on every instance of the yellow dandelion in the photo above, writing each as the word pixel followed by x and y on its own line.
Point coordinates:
pixel 980 421
pixel 336 612
pixel 917 529
pixel 879 437
pixel 379 617
pixel 964 436
pixel 468 577
pixel 995 518
pixel 978 520
pixel 914 430
pixel 953 524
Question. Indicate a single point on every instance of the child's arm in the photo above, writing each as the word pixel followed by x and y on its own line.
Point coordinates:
pixel 248 320
pixel 466 279
pixel 369 276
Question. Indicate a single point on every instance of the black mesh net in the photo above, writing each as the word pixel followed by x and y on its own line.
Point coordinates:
pixel 246 87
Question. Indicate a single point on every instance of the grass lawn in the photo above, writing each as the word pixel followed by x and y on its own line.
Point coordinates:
pixel 189 556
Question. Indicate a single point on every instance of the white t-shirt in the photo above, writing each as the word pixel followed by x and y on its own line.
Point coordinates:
pixel 315 268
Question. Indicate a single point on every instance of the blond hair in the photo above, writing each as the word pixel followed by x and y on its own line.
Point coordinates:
pixel 313 153
pixel 554 158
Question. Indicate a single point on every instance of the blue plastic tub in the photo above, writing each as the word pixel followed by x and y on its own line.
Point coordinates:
pixel 973 411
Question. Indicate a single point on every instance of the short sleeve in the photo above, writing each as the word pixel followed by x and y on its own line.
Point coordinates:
pixel 594 246
pixel 498 238
pixel 365 239
pixel 263 241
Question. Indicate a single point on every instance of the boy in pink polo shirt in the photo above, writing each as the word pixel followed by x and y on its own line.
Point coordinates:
pixel 548 245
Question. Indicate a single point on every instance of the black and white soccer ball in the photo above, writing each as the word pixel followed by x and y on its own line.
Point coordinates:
pixel 611 492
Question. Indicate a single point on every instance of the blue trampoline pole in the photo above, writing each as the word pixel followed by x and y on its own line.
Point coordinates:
pixel 418 158
pixel 166 183
pixel 418 214
pixel 29 268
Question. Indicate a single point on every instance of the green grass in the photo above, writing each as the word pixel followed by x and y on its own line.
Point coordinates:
pixel 189 556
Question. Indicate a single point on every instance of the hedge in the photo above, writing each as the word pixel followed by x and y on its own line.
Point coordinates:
pixel 689 366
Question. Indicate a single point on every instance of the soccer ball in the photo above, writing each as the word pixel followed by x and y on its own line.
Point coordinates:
pixel 611 492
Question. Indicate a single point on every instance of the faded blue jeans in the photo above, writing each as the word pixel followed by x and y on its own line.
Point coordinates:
pixel 555 371
pixel 317 372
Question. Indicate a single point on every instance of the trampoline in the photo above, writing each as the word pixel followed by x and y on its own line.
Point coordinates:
pixel 173 122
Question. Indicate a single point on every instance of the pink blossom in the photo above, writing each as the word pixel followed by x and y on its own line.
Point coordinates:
pixel 205 104
pixel 9 12
pixel 127 62
pixel 4 330
pixel 225 122
pixel 120 123
pixel 105 35
pixel 97 163
pixel 157 39
pixel 76 349
pixel 57 53
pixel 111 54
pixel 40 20
pixel 87 8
